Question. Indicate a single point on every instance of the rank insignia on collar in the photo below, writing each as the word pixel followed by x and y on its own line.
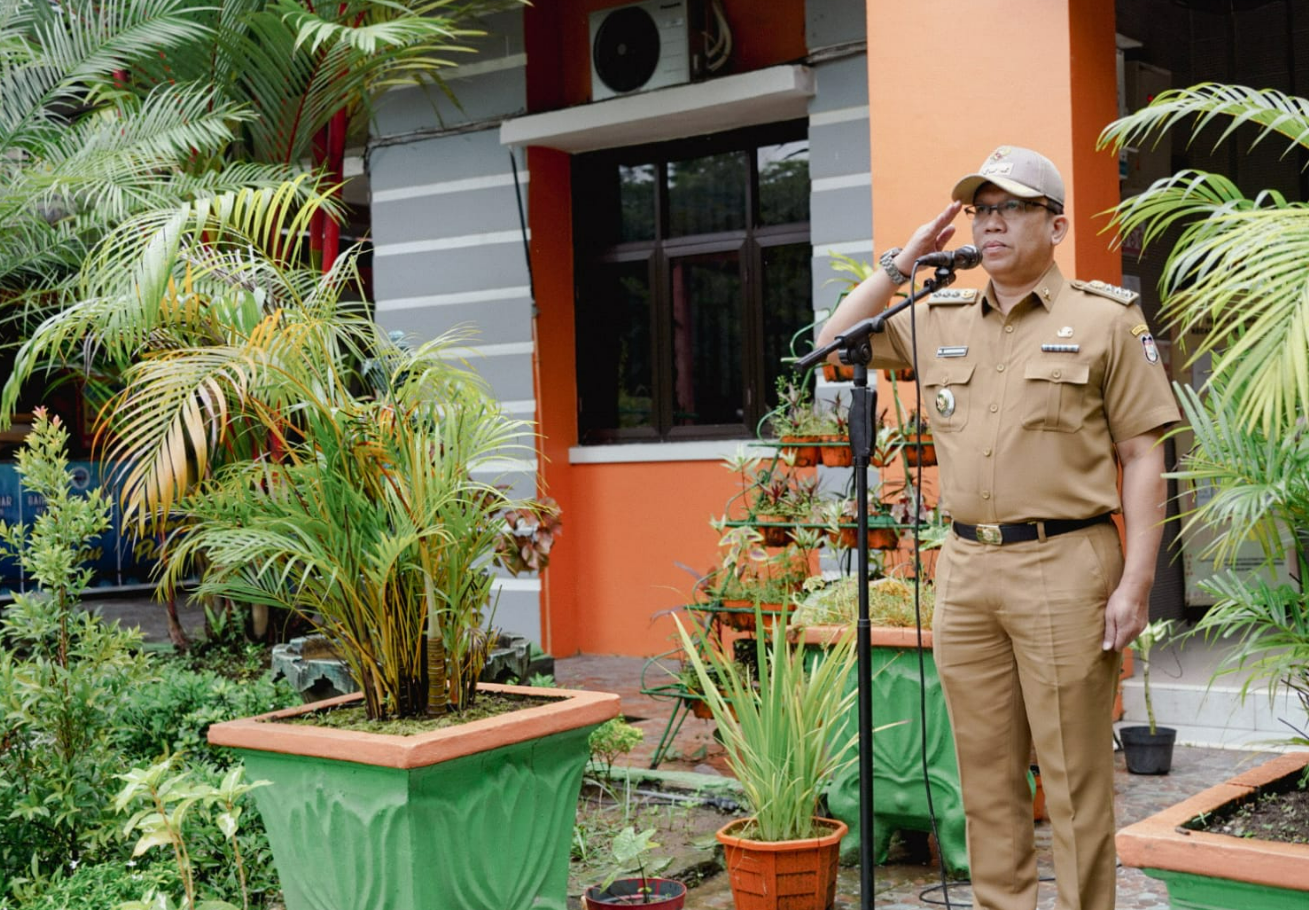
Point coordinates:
pixel 1151 349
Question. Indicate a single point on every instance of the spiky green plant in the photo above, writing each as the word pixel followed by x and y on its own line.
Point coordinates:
pixel 777 727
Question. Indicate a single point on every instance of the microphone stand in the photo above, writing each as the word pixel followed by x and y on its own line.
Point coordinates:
pixel 856 348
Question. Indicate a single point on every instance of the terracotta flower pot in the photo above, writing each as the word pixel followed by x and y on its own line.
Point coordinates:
pixel 740 614
pixel 912 450
pixel 878 538
pixel 837 454
pixel 838 372
pixel 802 449
pixel 775 530
pixel 900 375
pixel 794 874
pixel 649 893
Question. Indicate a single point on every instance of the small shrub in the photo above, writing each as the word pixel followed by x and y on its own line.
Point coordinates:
pixel 175 713
pixel 62 671
pixel 611 739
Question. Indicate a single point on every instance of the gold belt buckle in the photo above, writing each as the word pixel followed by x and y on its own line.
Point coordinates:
pixel 990 534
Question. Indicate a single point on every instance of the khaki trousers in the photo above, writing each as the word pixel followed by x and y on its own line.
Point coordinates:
pixel 1017 638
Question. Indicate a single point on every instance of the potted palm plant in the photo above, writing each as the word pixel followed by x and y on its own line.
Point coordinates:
pixel 1149 749
pixel 776 723
pixel 1234 281
pixel 316 464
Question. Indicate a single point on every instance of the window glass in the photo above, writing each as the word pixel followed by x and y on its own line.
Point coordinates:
pixel 706 348
pixel 637 187
pixel 788 308
pixel 616 383
pixel 707 195
pixel 783 182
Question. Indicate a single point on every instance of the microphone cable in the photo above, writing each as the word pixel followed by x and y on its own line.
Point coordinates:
pixel 918 611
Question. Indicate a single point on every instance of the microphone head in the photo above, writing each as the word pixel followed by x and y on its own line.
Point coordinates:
pixel 967 257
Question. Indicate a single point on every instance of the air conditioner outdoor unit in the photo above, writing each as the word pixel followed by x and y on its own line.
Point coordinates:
pixel 640 46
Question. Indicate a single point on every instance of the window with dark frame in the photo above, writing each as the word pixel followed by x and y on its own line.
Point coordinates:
pixel 693 275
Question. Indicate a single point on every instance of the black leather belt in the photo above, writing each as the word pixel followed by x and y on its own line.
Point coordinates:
pixel 996 535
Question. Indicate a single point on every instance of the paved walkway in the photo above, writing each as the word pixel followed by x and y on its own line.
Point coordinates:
pixel 898 886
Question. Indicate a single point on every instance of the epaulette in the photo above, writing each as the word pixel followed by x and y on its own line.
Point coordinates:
pixel 1105 289
pixel 954 295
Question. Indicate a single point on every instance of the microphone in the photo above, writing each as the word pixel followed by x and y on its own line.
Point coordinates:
pixel 966 257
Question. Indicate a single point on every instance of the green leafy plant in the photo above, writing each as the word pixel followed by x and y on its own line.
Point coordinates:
pixel 613 738
pixel 1235 272
pixel 776 723
pixel 795 414
pixel 1153 635
pixel 174 713
pixel 171 798
pixel 629 850
pixel 890 602
pixel 1257 485
pixel 62 672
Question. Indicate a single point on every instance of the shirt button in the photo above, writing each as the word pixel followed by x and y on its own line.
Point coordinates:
pixel 986 494
pixel 999 367
pixel 1057 373
pixel 1009 328
pixel 994 408
pixel 986 452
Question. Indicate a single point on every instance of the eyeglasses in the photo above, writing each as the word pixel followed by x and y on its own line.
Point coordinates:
pixel 1008 210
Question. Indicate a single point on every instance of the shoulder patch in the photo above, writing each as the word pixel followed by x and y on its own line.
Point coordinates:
pixel 1105 289
pixel 955 296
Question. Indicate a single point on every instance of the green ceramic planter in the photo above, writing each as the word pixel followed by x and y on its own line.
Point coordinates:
pixel 478 817
pixel 1208 871
pixel 899 795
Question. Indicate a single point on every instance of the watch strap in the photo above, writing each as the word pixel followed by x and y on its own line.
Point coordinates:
pixel 887 262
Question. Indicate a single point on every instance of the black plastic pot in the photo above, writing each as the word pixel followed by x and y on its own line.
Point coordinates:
pixel 1146 752
pixel 650 893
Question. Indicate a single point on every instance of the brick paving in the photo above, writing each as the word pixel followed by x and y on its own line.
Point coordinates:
pixel 899 886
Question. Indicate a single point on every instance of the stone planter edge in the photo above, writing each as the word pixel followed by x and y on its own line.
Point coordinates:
pixel 571 708
pixel 1159 842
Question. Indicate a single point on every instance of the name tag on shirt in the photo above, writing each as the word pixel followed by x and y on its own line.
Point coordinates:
pixel 952 351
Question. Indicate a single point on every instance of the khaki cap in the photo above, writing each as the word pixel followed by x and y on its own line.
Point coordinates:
pixel 1022 172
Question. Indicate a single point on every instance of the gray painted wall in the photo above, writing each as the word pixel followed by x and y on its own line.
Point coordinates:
pixel 449 245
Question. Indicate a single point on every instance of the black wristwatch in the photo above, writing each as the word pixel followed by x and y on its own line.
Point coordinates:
pixel 887 262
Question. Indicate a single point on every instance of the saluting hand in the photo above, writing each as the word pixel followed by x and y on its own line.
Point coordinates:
pixel 929 238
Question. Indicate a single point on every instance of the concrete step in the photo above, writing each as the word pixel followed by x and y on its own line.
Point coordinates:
pixel 1208 710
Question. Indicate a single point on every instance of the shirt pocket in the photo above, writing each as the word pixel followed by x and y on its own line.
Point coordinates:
pixel 948 396
pixel 1055 395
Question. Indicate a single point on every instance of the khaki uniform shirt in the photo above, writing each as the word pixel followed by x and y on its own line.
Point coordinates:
pixel 1025 409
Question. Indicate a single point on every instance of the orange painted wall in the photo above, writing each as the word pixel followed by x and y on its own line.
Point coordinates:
pixel 626 526
pixel 1035 73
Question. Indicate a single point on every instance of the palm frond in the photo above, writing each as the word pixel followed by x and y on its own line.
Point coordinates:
pixel 1202 105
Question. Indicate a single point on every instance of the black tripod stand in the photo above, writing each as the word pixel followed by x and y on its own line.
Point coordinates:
pixel 856 348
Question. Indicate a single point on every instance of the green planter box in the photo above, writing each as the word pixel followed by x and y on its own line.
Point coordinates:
pixel 478 817
pixel 899 794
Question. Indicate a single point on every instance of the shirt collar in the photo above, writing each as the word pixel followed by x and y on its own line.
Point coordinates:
pixel 1046 292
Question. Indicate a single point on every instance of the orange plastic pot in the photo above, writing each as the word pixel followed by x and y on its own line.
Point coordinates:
pixel 802 448
pixel 794 874
pixel 839 455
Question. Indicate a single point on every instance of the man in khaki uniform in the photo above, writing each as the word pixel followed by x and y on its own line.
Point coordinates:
pixel 1038 389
